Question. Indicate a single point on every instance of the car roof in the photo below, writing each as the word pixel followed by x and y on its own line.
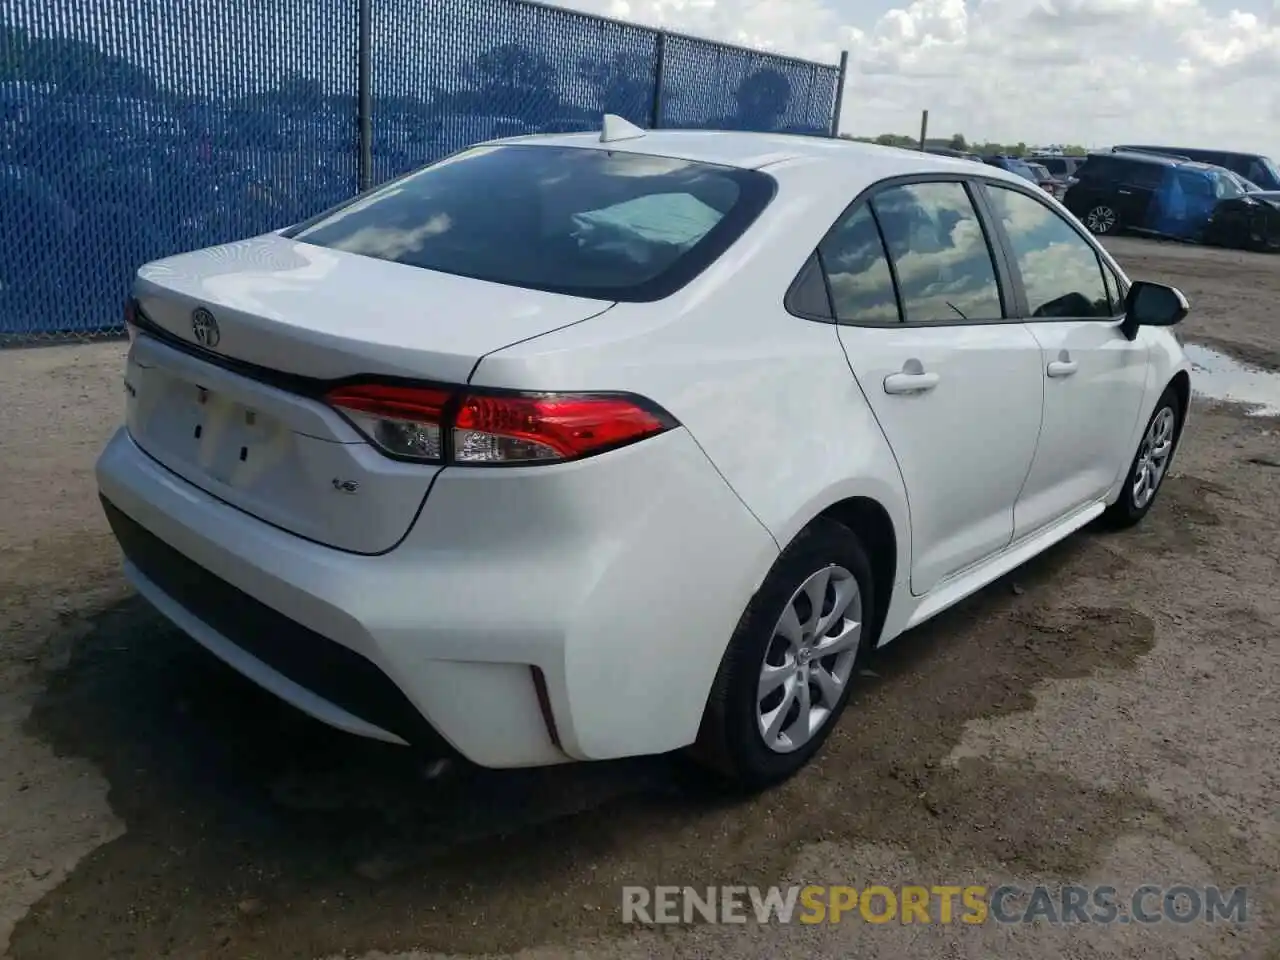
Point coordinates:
pixel 1155 158
pixel 755 151
pixel 1184 150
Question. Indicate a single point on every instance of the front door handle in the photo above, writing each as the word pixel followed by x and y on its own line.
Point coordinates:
pixel 1061 368
pixel 1125 193
pixel 899 383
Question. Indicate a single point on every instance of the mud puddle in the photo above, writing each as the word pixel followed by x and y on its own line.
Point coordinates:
pixel 1220 377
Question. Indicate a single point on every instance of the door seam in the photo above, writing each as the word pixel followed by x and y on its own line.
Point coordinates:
pixel 1035 451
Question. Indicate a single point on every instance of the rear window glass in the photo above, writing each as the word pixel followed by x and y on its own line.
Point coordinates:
pixel 581 221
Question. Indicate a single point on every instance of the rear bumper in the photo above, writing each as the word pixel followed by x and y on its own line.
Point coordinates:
pixel 531 616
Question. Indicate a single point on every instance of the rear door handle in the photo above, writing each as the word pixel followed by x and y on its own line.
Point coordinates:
pixel 1125 193
pixel 899 383
pixel 1061 368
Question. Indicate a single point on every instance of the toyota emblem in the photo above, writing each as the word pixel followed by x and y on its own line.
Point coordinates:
pixel 205 328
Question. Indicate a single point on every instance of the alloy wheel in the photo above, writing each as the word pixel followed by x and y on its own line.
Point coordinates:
pixel 809 660
pixel 1101 219
pixel 1153 457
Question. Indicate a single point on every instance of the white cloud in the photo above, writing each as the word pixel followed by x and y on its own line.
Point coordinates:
pixel 1092 72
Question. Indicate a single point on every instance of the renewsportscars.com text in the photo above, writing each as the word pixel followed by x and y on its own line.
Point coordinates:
pixel 944 904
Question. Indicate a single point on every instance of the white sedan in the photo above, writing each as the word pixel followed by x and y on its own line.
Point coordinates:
pixel 587 446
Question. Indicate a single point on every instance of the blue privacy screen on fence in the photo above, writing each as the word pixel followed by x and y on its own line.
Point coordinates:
pixel 134 129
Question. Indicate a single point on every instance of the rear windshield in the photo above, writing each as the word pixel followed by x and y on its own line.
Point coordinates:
pixel 581 221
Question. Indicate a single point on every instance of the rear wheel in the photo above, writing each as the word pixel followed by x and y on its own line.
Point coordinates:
pixel 786 676
pixel 1102 220
pixel 1150 464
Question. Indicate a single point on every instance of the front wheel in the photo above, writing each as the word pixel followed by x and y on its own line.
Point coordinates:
pixel 786 676
pixel 1263 238
pixel 1102 220
pixel 1150 464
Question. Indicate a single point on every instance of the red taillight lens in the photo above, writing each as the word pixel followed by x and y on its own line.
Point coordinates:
pixel 131 318
pixel 403 421
pixel 493 428
pixel 435 424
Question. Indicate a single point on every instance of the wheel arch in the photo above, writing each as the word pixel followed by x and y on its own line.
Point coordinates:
pixel 871 523
pixel 1180 384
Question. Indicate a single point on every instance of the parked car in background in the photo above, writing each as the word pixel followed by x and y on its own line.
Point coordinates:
pixel 1248 186
pixel 1160 194
pixel 1014 165
pixel 1248 220
pixel 1254 167
pixel 949 152
pixel 1047 181
pixel 431 467
pixel 1061 166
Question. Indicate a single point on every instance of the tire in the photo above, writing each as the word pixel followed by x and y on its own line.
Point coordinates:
pixel 732 739
pixel 1261 238
pixel 1163 427
pixel 1102 220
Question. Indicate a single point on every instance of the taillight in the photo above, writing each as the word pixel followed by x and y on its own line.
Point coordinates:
pixel 131 318
pixel 478 427
pixel 403 421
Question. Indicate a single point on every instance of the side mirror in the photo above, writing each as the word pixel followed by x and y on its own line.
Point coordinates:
pixel 1152 305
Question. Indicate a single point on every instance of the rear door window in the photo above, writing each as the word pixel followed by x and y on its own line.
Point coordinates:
pixel 1195 183
pixel 939 252
pixel 858 273
pixel 586 222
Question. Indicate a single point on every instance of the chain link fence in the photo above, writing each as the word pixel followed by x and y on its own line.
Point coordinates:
pixel 134 129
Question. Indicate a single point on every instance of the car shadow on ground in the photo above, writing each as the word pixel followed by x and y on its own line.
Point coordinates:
pixel 253 830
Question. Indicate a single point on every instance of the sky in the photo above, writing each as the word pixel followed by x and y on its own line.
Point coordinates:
pixel 1088 72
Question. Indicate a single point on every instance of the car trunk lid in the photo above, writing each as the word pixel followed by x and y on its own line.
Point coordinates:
pixel 237 345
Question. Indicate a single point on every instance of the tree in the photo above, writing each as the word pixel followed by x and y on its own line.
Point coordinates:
pixel 515 81
pixel 623 83
pixel 73 66
pixel 897 140
pixel 301 92
pixel 763 97
pixel 958 142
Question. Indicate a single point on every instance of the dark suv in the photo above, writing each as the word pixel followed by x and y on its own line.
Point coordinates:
pixel 1115 191
pixel 1254 167
pixel 1168 197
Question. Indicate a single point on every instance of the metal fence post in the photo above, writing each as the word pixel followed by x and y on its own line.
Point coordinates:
pixel 844 73
pixel 364 90
pixel 659 58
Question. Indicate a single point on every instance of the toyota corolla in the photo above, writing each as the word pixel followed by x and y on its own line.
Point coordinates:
pixel 585 446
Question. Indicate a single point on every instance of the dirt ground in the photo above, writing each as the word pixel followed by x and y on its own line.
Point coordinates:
pixel 1109 714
